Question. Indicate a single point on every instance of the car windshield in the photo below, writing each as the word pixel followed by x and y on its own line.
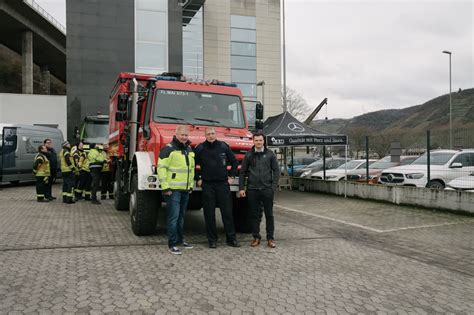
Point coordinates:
pixel 96 132
pixel 198 108
pixel 383 164
pixel 350 165
pixel 314 164
pixel 435 159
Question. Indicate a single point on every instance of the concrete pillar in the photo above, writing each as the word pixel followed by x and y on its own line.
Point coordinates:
pixel 27 62
pixel 175 36
pixel 46 80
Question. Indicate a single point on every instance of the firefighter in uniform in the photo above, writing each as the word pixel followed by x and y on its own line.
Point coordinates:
pixel 42 172
pixel 96 163
pixel 84 188
pixel 213 156
pixel 106 176
pixel 67 170
pixel 76 152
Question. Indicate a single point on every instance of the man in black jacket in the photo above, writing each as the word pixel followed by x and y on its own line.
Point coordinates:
pixel 53 161
pixel 260 167
pixel 213 156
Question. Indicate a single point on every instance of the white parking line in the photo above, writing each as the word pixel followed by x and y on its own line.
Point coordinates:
pixel 424 226
pixel 366 227
pixel 330 219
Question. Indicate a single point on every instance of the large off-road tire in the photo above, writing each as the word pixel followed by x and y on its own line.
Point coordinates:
pixel 436 184
pixel 143 209
pixel 195 201
pixel 121 197
pixel 241 214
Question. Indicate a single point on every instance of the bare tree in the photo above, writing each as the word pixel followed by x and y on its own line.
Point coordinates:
pixel 356 137
pixel 296 105
pixel 380 144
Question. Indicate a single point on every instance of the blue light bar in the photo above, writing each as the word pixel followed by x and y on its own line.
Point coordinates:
pixel 165 78
pixel 224 83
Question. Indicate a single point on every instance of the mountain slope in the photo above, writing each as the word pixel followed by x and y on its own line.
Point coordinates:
pixel 433 114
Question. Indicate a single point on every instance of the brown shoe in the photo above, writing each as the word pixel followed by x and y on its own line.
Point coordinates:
pixel 255 242
pixel 271 244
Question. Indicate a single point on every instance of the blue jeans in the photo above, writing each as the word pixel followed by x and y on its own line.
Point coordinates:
pixel 176 205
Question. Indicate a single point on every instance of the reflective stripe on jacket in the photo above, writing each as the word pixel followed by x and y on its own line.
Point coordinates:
pixel 41 165
pixel 96 159
pixel 106 167
pixel 84 162
pixel 67 162
pixel 176 166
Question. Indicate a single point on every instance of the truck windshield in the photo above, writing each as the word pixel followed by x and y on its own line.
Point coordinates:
pixel 198 108
pixel 95 132
pixel 435 159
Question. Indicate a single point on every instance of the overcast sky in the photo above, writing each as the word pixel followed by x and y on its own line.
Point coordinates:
pixel 371 55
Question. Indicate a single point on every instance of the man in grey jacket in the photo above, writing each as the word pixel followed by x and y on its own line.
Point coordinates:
pixel 260 167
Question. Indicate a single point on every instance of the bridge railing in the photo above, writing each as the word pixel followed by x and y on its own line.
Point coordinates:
pixel 33 4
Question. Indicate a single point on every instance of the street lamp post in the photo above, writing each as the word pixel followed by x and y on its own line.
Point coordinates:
pixel 262 84
pixel 450 103
pixel 284 56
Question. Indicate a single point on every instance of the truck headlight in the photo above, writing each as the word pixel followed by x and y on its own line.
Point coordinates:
pixel 151 179
pixel 414 175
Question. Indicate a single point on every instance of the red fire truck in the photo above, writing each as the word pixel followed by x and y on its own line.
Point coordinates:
pixel 144 112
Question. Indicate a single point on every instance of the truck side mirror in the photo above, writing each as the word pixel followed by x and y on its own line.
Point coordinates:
pixel 76 132
pixel 122 103
pixel 120 116
pixel 258 124
pixel 258 111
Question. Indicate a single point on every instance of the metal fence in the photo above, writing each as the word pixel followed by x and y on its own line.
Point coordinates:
pixel 423 159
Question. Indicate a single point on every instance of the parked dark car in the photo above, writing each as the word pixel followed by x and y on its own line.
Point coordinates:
pixel 298 163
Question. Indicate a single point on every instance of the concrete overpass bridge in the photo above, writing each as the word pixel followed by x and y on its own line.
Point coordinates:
pixel 31 32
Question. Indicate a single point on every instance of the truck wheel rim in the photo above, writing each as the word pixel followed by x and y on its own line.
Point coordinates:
pixel 133 205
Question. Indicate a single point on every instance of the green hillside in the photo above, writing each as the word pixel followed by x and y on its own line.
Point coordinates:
pixel 409 125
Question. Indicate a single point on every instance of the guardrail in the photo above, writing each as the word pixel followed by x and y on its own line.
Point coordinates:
pixel 35 6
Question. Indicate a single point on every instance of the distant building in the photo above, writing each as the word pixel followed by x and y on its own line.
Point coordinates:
pixel 229 40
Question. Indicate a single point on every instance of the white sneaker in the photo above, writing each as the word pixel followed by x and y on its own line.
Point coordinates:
pixel 175 250
pixel 187 245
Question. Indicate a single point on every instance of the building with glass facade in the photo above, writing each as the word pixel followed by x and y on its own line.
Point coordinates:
pixel 229 40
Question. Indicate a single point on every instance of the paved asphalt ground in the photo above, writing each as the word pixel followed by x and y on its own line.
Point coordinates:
pixel 334 256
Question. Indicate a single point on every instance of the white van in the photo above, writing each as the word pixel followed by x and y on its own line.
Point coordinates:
pixel 18 147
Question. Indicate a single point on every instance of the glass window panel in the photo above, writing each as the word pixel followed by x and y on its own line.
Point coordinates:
pixel 151 55
pixel 244 76
pixel 242 21
pixel 240 62
pixel 239 35
pixel 152 26
pixel 155 5
pixel 193 47
pixel 243 49
pixel 248 90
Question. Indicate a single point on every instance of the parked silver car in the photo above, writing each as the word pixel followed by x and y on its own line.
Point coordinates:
pixel 331 163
